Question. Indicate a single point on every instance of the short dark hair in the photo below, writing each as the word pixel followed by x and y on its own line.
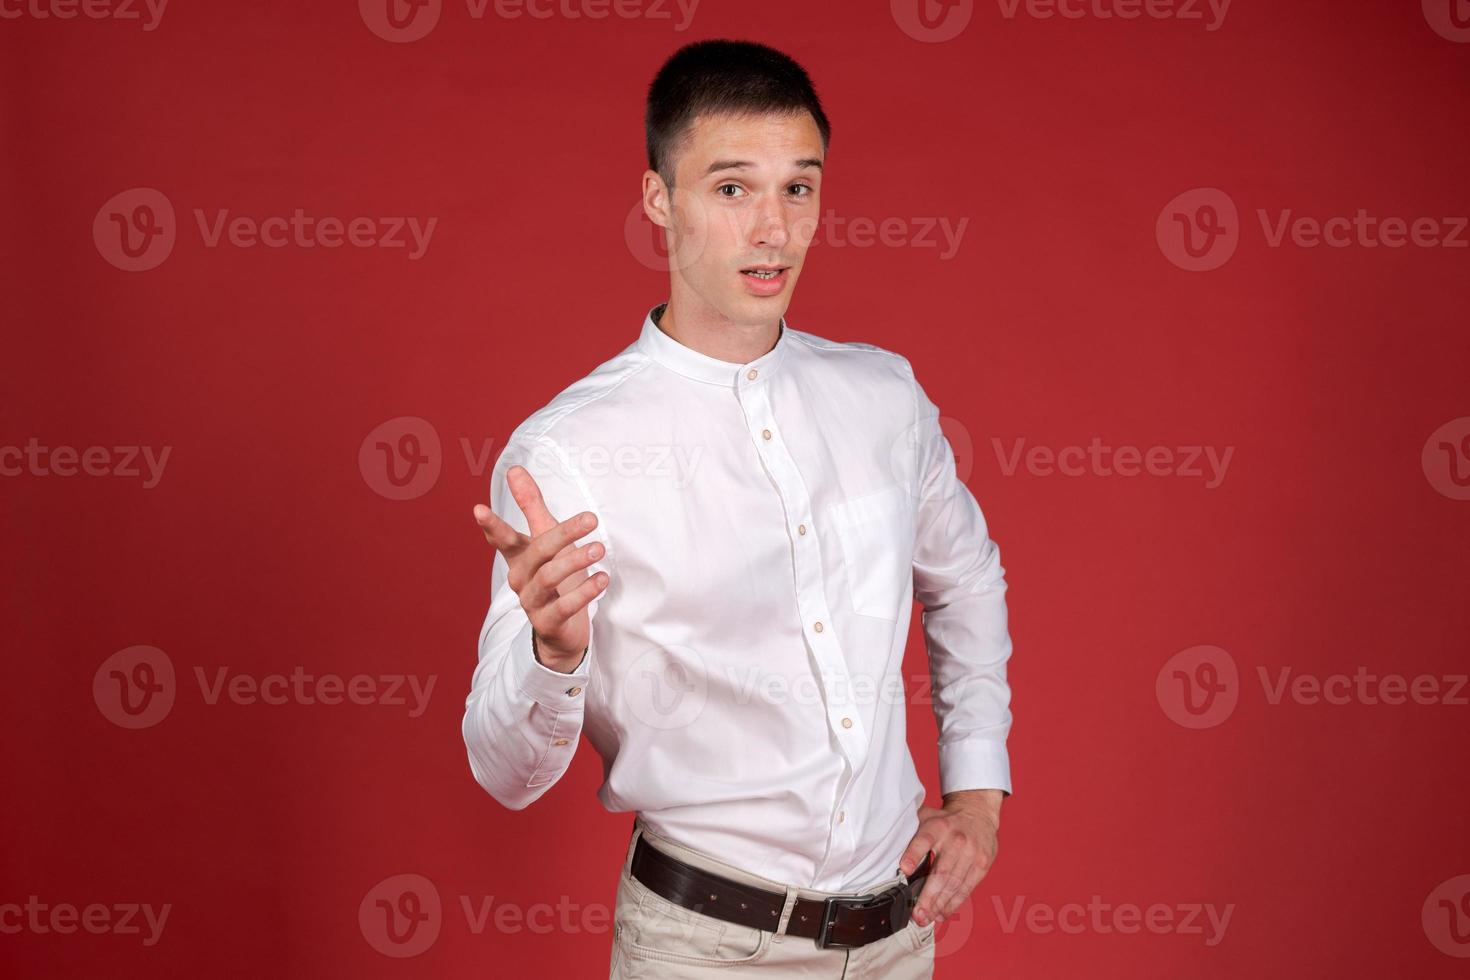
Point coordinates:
pixel 722 76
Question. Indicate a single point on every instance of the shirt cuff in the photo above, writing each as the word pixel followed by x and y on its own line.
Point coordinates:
pixel 543 685
pixel 974 763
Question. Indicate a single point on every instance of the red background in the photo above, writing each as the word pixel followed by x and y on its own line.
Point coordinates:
pixel 264 547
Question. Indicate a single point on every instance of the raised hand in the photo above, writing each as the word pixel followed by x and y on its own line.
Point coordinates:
pixel 547 572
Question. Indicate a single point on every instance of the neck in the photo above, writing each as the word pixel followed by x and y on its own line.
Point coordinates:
pixel 718 337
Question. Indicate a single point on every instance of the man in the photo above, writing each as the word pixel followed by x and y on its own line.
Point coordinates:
pixel 706 556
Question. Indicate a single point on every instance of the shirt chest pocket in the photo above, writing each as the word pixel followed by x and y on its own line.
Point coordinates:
pixel 875 531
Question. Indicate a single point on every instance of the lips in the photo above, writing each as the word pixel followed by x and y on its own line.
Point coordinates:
pixel 765 280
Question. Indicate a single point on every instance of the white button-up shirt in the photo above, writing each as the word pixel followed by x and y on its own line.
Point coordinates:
pixel 767 527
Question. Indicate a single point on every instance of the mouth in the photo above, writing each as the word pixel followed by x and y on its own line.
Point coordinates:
pixel 765 278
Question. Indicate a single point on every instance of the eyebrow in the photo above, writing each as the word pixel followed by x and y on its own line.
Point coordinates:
pixel 719 165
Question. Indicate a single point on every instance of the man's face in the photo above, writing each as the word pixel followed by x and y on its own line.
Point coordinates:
pixel 745 196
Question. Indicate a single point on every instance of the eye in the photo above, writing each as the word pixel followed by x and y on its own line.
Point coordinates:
pixel 805 187
pixel 723 186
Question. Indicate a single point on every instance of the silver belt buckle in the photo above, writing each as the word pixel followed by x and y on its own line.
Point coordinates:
pixel 831 905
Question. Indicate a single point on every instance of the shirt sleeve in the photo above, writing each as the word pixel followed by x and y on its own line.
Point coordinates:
pixel 960 583
pixel 522 719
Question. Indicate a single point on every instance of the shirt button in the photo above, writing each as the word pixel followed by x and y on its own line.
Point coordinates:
pixel 842 817
pixel 573 691
pixel 751 374
pixel 847 723
pixel 818 626
pixel 561 741
pixel 766 433
pixel 801 529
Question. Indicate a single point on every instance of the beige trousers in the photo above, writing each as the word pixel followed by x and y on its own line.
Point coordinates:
pixel 655 938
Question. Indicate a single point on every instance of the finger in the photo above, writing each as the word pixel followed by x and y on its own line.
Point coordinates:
pixel 528 496
pixel 947 869
pixel 956 863
pixel 555 615
pixel 569 566
pixel 551 543
pixel 500 534
pixel 923 912
pixel 962 893
pixel 923 842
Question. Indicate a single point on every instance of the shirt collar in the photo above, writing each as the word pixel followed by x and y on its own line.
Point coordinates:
pixel 701 367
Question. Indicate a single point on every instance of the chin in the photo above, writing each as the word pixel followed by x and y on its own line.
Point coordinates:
pixel 763 308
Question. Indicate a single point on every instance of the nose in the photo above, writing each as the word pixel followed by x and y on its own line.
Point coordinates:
pixel 771 229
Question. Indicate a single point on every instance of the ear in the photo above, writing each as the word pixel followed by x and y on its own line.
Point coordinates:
pixel 657 199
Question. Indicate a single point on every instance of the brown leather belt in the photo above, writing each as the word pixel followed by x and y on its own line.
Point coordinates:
pixel 839 922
